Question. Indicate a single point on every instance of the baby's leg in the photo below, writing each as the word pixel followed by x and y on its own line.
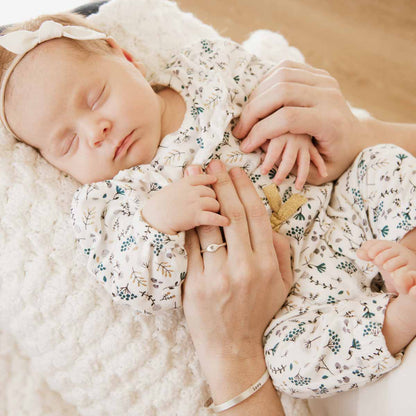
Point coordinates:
pixel 396 262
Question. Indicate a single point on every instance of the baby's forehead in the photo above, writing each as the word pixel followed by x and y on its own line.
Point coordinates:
pixel 62 50
pixel 57 56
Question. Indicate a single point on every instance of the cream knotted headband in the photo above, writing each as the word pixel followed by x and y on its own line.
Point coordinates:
pixel 21 42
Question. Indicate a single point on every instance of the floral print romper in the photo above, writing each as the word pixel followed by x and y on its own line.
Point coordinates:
pixel 327 336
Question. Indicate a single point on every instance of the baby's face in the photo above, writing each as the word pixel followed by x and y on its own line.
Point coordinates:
pixel 90 117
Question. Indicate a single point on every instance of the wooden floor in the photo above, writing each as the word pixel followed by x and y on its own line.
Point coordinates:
pixel 369 46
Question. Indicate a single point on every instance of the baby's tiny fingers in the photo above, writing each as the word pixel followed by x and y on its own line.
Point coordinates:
pixel 203 179
pixel 403 280
pixel 193 170
pixel 395 263
pixel 318 161
pixel 288 161
pixel 211 218
pixel 381 258
pixel 209 204
pixel 274 151
pixel 303 168
pixel 205 191
pixel 378 247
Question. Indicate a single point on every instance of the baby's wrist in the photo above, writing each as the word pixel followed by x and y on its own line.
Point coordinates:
pixel 399 327
pixel 149 218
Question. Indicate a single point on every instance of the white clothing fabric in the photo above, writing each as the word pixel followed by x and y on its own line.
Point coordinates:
pixel 310 339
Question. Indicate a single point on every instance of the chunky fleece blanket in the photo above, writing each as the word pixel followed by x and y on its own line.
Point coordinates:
pixel 65 348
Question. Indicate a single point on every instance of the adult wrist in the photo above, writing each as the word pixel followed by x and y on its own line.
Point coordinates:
pixel 230 374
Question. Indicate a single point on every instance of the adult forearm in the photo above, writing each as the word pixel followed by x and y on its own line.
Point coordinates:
pixel 229 377
pixel 377 131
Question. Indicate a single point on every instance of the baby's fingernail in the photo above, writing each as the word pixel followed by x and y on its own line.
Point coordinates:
pixel 193 170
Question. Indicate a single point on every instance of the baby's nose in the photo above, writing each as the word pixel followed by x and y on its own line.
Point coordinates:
pixel 97 134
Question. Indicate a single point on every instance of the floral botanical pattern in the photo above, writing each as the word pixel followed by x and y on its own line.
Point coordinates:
pixel 327 337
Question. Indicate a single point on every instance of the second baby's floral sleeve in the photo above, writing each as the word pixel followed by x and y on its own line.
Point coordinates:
pixel 136 263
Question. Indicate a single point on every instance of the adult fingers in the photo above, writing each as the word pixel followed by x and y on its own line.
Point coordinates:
pixel 296 75
pixel 296 120
pixel 287 63
pixel 193 250
pixel 236 234
pixel 282 249
pixel 213 261
pixel 257 219
pixel 208 234
pixel 281 94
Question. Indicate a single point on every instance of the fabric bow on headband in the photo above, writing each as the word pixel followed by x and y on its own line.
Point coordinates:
pixel 20 42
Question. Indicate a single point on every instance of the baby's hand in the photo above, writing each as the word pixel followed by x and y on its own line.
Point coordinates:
pixel 183 205
pixel 289 150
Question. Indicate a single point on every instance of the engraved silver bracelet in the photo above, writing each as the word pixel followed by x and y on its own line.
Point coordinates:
pixel 241 397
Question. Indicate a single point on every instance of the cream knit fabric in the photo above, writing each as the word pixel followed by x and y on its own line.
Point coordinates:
pixel 65 348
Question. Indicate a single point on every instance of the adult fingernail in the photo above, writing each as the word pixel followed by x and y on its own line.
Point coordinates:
pixel 215 166
pixel 237 130
pixel 245 144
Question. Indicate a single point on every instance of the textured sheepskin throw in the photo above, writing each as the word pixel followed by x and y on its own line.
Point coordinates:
pixel 65 347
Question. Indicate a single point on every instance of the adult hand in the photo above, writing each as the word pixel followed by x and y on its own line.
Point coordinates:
pixel 231 295
pixel 297 98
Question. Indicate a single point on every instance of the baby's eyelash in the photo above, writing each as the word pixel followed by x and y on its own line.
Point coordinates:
pixel 99 96
pixel 70 145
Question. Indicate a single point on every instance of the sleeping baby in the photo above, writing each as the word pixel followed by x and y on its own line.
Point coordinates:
pixel 128 139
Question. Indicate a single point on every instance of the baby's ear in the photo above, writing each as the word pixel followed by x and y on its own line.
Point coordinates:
pixel 127 55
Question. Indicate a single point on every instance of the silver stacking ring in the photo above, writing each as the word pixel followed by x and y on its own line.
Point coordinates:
pixel 213 248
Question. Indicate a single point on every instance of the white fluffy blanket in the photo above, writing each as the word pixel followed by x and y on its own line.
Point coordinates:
pixel 65 347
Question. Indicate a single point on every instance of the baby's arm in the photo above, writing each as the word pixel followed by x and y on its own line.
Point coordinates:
pixel 397 265
pixel 289 150
pixel 136 263
pixel 247 76
pixel 184 205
